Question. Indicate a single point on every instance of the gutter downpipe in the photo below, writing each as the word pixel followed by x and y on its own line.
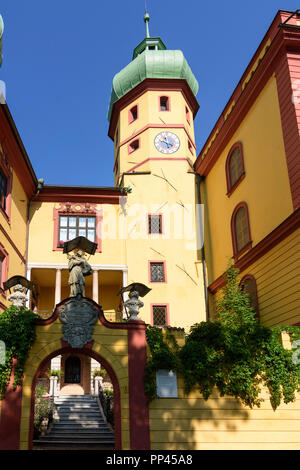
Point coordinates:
pixel 38 189
pixel 200 178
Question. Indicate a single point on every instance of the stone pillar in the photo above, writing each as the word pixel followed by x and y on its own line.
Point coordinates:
pixel 125 295
pixel 28 275
pixel 58 286
pixel 95 286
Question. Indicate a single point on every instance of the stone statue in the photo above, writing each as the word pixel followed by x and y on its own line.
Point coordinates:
pixel 18 298
pixel 133 304
pixel 78 268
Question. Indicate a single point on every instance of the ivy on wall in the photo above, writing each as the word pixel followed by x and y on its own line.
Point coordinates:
pixel 234 354
pixel 17 331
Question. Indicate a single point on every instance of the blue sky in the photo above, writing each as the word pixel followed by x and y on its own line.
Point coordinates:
pixel 60 57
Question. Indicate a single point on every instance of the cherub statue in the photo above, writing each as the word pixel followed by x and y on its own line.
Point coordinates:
pixel 79 268
pixel 18 298
pixel 133 304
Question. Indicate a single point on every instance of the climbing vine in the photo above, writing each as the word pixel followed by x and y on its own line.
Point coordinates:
pixel 17 331
pixel 235 353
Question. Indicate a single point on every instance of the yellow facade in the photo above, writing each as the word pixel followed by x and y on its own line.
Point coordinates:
pixel 265 188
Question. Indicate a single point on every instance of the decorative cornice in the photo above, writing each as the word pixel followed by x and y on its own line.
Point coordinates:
pixel 79 194
pixel 247 91
pixel 152 84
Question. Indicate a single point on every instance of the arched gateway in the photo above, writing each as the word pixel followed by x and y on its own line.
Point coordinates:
pixel 120 347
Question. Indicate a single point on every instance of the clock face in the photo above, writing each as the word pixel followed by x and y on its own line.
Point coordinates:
pixel 167 142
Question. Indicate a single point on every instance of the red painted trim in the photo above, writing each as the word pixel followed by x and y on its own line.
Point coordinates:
pixel 187 115
pixel 138 405
pixel 252 278
pixel 4 270
pixel 162 225
pixel 12 243
pixel 190 147
pixel 130 116
pixel 7 171
pixel 14 148
pixel 281 41
pixel 163 262
pixel 232 187
pixel 77 194
pixel 130 149
pixel 10 422
pixel 237 252
pixel 158 126
pixel 167 312
pixel 149 159
pixel 152 84
pixel 92 213
pixel 113 377
pixel 102 319
pixel 287 73
pixel 286 228
pixel 168 103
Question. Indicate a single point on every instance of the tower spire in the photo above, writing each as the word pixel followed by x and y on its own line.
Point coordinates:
pixel 147 19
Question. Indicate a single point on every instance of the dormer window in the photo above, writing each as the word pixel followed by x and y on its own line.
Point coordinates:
pixel 133 114
pixel 164 103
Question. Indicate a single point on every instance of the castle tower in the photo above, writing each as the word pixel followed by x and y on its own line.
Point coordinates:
pixel 151 121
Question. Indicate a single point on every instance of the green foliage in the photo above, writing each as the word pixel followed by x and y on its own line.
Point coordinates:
pixel 234 354
pixel 43 409
pixel 99 373
pixel 164 355
pixel 17 331
pixel 55 373
pixel 108 392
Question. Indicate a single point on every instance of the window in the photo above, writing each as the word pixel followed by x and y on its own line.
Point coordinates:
pixel 240 228
pixel 72 226
pixel 164 103
pixel 154 224
pixel 3 266
pixel 187 115
pixel 3 190
pixel 133 114
pixel 159 315
pixel 133 146
pixel 235 171
pixel 157 271
pixel 248 284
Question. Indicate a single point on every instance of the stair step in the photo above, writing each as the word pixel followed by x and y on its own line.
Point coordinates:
pixel 64 442
pixel 75 439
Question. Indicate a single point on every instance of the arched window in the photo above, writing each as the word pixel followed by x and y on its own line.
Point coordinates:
pixel 248 284
pixel 164 103
pixel 240 229
pixel 235 171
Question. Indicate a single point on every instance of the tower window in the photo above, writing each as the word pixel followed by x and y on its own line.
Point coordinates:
pixel 235 171
pixel 157 272
pixel 133 146
pixel 159 315
pixel 154 223
pixel 240 228
pixel 187 115
pixel 3 190
pixel 133 114
pixel 164 103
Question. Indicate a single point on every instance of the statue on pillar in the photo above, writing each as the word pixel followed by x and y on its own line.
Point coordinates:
pixel 78 268
pixel 18 298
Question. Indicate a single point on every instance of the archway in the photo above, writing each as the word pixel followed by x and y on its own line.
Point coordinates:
pixel 113 377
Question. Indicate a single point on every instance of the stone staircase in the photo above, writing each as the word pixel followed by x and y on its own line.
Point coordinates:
pixel 78 423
